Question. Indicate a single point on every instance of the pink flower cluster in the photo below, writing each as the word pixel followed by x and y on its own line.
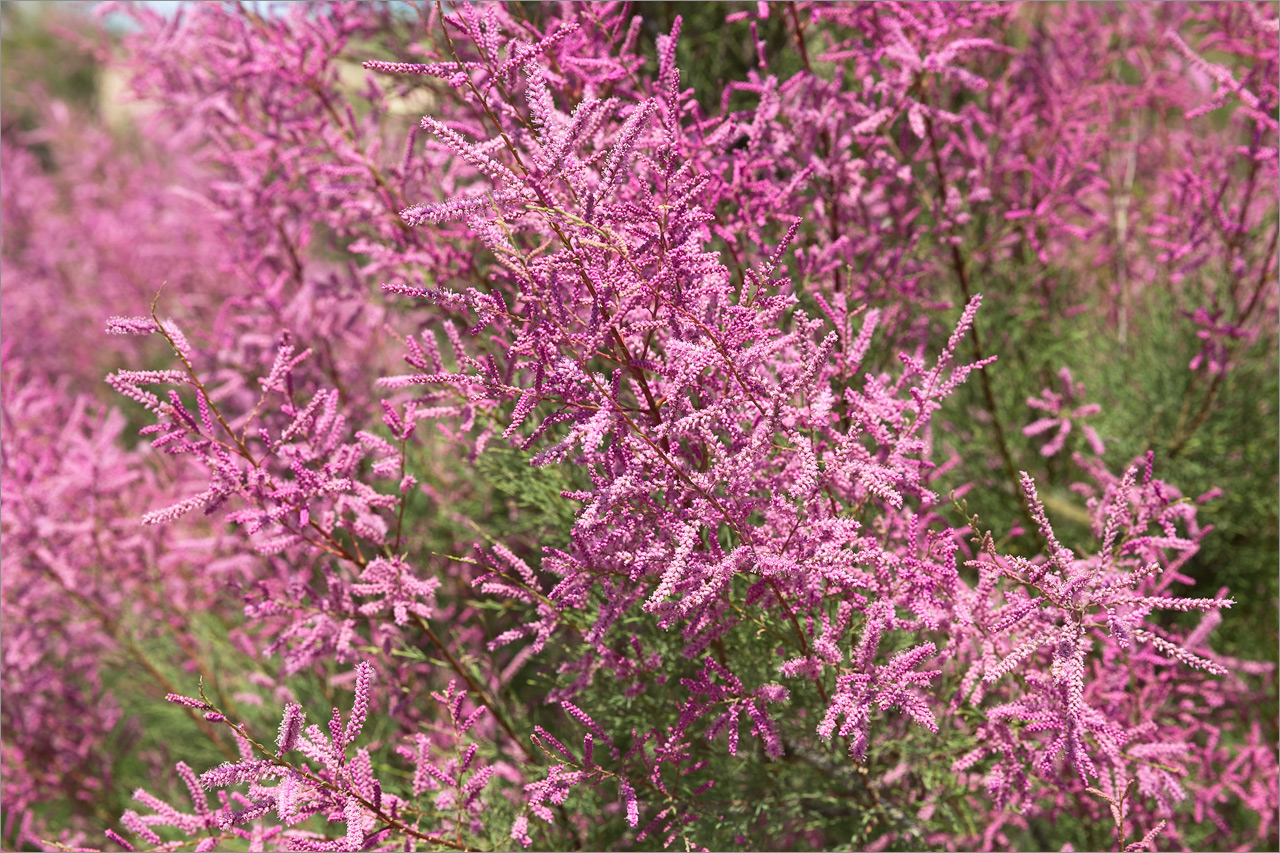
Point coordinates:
pixel 729 334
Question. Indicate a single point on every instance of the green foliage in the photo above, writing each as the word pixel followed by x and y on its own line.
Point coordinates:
pixel 1150 399
pixel 535 491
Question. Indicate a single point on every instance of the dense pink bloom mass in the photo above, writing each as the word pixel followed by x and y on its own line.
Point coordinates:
pixel 714 349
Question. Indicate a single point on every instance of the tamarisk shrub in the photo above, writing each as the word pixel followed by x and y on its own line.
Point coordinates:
pixel 720 345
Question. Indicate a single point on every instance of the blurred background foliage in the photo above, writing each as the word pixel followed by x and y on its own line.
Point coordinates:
pixel 43 54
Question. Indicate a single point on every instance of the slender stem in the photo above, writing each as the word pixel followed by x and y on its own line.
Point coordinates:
pixel 195 381
pixel 800 45
pixel 979 353
pixel 804 644
pixel 404 496
pixel 480 693
pixel 1187 429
